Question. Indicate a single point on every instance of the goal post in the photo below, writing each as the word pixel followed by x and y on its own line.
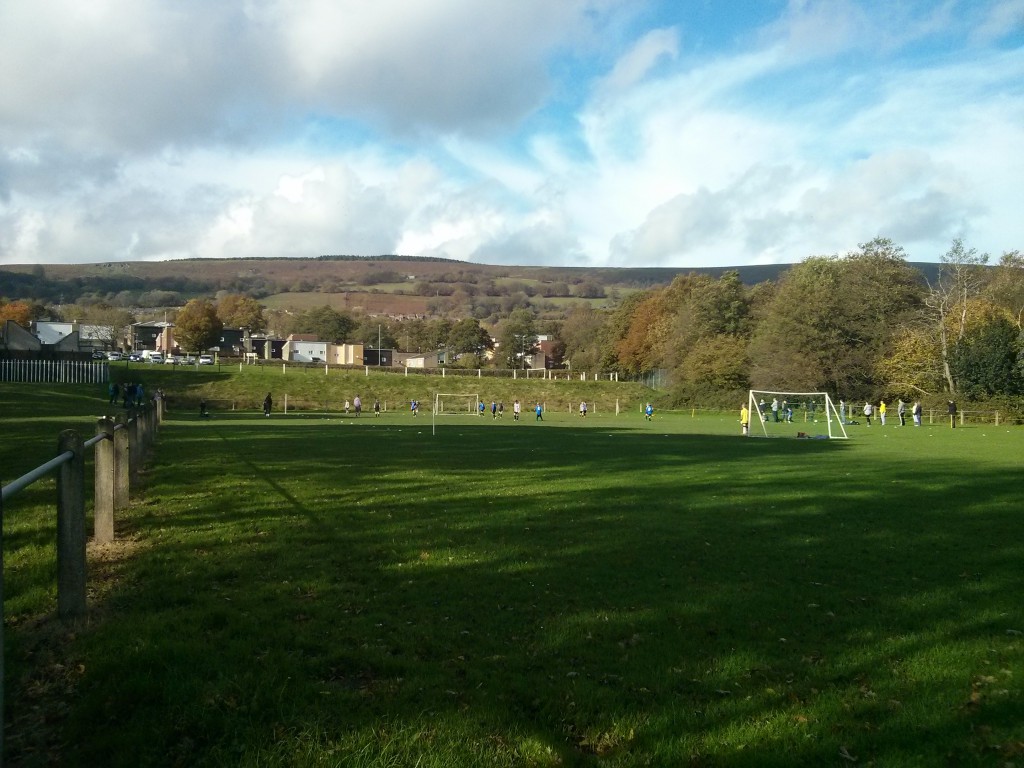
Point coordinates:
pixel 454 404
pixel 769 407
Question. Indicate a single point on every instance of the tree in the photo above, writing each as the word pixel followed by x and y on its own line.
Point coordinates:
pixel 831 321
pixel 796 344
pixel 716 370
pixel 111 323
pixel 518 338
pixel 467 337
pixel 1007 286
pixel 959 280
pixel 581 332
pixel 197 326
pixel 642 348
pixel 236 311
pixel 325 323
pixel 373 333
pixel 912 364
pixel 985 360
pixel 18 312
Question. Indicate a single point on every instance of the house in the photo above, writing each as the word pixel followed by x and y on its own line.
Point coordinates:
pixel 14 338
pixel 306 348
pixel 154 336
pixel 267 347
pixel 72 337
pixel 381 357
pixel 552 352
pixel 50 332
pixel 347 354
pixel 429 360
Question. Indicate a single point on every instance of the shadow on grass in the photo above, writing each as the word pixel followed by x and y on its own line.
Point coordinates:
pixel 574 594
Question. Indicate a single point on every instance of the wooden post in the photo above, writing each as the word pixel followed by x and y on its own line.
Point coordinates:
pixel 104 493
pixel 71 527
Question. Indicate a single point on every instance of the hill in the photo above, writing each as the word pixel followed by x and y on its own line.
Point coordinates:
pixel 167 283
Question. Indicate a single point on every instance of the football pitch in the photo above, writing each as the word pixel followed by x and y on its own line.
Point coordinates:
pixel 303 590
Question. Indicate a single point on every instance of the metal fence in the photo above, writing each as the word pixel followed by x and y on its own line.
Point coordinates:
pixel 55 371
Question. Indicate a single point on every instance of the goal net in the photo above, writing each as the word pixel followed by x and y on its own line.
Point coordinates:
pixel 454 404
pixel 777 413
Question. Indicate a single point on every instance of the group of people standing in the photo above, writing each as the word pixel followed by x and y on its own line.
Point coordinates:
pixel 870 411
pixel 883 410
pixel 357 403
pixel 130 394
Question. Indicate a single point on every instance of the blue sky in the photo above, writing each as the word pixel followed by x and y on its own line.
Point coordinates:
pixel 579 132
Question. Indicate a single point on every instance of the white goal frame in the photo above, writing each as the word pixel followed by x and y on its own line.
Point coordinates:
pixel 836 430
pixel 469 405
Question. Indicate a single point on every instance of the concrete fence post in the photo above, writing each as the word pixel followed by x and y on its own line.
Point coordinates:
pixel 71 527
pixel 122 468
pixel 3 670
pixel 134 446
pixel 103 488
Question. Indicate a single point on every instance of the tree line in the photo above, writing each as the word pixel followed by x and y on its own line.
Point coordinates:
pixel 863 326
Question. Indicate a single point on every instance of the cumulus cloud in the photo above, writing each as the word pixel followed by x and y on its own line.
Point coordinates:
pixel 578 132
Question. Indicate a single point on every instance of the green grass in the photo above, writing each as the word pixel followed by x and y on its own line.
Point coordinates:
pixel 309 388
pixel 311 591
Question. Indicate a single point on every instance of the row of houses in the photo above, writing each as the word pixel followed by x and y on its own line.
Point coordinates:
pixel 75 338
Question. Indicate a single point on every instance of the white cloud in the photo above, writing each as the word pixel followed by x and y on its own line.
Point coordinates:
pixel 160 128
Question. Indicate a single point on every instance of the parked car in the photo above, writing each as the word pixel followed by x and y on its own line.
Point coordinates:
pixel 206 359
pixel 156 357
pixel 115 355
pixel 135 357
pixel 188 360
pixel 99 354
pixel 173 360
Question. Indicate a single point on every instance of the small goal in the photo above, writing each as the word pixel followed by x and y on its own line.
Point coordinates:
pixel 771 410
pixel 454 404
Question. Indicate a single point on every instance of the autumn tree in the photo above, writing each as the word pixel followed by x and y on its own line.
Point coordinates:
pixel 17 311
pixel 197 326
pixel 581 333
pixel 1006 288
pixel 237 311
pixel 911 365
pixel 715 371
pixel 831 321
pixel 641 349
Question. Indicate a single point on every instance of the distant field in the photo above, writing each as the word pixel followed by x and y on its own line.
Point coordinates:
pixel 303 590
pixel 350 301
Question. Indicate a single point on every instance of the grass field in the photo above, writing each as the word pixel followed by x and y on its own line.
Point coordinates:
pixel 305 590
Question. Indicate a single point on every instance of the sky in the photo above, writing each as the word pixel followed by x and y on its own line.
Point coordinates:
pixel 591 133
